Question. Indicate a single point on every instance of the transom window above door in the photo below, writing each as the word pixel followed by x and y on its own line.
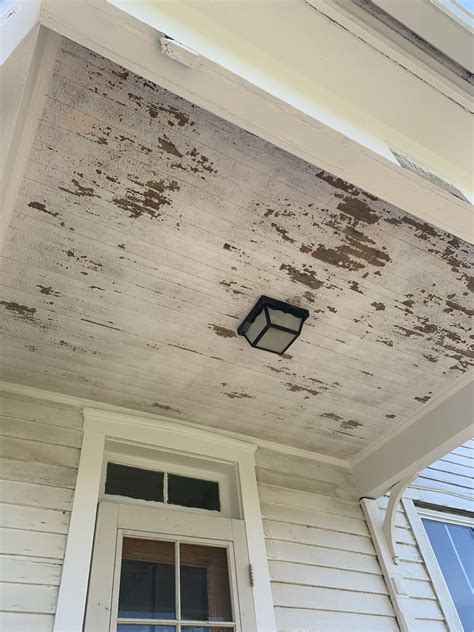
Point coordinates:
pixel 162 487
pixel 174 586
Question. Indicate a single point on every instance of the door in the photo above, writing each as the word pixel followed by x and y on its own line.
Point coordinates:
pixel 156 570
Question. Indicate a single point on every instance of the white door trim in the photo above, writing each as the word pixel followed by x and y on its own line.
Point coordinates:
pixel 101 425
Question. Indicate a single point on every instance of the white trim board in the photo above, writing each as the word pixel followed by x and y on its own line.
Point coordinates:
pixel 440 397
pixel 258 103
pixel 100 425
pixel 60 398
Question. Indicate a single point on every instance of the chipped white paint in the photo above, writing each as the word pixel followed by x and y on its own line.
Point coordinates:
pixel 145 228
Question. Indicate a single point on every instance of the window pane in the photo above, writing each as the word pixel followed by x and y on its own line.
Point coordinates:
pixel 205 593
pixel 147 581
pixel 193 492
pixel 454 548
pixel 129 627
pixel 134 482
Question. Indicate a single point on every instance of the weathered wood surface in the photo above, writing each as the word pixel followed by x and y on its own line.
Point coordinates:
pixel 39 453
pixel 146 228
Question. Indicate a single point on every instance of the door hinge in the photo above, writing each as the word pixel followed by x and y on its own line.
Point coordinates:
pixel 251 577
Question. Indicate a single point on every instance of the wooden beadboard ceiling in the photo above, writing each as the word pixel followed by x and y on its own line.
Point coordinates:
pixel 146 228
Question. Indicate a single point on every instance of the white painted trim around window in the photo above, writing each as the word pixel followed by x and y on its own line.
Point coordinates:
pixel 102 425
pixel 414 515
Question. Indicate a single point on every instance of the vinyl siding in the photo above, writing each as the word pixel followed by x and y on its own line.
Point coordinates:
pixel 449 482
pixel 323 566
pixel 39 456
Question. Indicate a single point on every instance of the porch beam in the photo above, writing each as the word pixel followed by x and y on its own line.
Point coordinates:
pixel 432 434
pixel 233 78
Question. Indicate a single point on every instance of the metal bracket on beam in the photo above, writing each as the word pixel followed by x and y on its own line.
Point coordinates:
pixel 388 527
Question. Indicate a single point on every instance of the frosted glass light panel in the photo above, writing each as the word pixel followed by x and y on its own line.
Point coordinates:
pixel 273 325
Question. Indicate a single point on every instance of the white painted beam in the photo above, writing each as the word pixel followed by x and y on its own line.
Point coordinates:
pixel 17 18
pixel 295 91
pixel 441 429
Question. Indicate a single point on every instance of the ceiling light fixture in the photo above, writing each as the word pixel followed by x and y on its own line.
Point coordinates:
pixel 273 325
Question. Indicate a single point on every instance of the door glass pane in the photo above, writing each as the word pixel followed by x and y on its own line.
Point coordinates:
pixel 205 592
pixel 454 549
pixel 147 580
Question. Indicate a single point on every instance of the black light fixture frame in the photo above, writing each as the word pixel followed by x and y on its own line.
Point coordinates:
pixel 265 302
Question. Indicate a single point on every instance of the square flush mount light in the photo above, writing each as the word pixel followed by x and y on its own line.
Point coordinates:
pixel 273 325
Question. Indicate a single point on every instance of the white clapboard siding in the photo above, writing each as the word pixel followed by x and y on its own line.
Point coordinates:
pixel 323 567
pixel 449 482
pixel 39 455
pixel 19 622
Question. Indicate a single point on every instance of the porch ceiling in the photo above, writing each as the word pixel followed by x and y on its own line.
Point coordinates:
pixel 146 228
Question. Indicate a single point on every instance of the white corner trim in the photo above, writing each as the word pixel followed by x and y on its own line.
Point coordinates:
pixel 442 396
pixel 431 563
pixel 100 425
pixel 96 407
pixel 72 595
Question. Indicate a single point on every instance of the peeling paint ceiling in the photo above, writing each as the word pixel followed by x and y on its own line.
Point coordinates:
pixel 144 231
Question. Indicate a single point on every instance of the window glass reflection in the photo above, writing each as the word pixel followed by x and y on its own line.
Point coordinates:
pixel 205 593
pixel 147 581
pixel 454 549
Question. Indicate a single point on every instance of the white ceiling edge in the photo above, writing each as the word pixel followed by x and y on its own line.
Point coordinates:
pixel 366 162
pixel 434 430
pixel 21 390
pixel 440 22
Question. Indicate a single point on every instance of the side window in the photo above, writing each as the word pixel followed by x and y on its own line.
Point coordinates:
pixel 453 545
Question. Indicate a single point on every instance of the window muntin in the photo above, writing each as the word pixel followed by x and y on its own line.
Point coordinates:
pixel 126 481
pixel 453 545
pixel 185 586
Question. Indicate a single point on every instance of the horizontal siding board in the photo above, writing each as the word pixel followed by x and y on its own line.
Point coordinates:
pixel 37 452
pixel 41 473
pixel 311 518
pixel 24 570
pixel 284 531
pixel 32 495
pixel 304 484
pixel 295 620
pixel 28 598
pixel 278 462
pixel 24 408
pixel 328 599
pixel 38 431
pixel 21 542
pixel 318 555
pixel 306 500
pixel 16 622
pixel 303 574
pixel 34 518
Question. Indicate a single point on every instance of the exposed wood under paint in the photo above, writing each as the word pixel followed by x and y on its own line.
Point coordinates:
pixel 144 230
